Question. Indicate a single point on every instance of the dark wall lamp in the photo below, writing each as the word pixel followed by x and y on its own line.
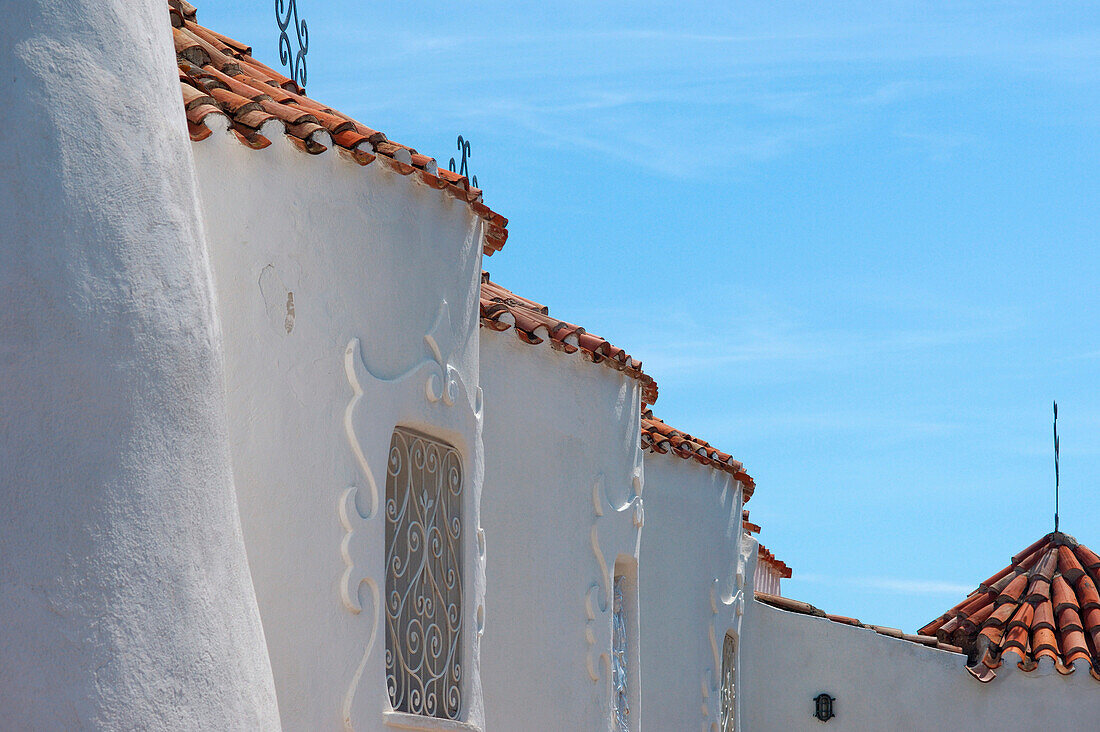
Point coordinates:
pixel 823 707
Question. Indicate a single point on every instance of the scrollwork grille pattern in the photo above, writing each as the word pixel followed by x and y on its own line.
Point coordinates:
pixel 729 681
pixel 620 703
pixel 424 576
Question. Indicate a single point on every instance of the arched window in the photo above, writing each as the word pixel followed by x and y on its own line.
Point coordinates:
pixel 729 684
pixel 423 575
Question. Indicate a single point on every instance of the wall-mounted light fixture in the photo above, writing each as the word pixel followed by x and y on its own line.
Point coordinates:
pixel 823 707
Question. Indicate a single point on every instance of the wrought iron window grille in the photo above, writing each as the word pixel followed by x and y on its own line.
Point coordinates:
pixel 619 672
pixel 424 576
pixel 729 685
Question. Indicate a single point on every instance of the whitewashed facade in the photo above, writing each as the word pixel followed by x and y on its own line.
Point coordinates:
pixel 266 464
pixel 693 577
pixel 562 515
pixel 340 329
pixel 884 683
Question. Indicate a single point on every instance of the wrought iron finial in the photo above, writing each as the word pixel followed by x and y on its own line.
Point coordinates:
pixel 464 168
pixel 1056 478
pixel 285 10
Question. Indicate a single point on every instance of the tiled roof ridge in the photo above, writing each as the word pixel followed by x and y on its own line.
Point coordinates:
pixel 762 553
pixel 1043 605
pixel 805 608
pixel 219 76
pixel 767 557
pixel 659 437
pixel 502 309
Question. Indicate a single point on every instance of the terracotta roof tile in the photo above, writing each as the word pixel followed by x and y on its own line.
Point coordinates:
pixel 1000 616
pixel 768 558
pixel 1087 596
pixel 219 75
pixel 980 616
pixel 747 526
pixel 1014 590
pixel 502 309
pixel 1047 606
pixel 1069 566
pixel 1088 558
pixel 805 608
pixel 763 555
pixel 660 437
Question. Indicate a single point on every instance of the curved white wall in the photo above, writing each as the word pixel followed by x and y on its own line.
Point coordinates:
pixel 349 300
pixel 882 683
pixel 561 448
pixel 125 600
pixel 690 590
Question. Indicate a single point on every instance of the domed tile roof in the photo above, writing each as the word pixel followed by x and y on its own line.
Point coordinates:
pixel 1044 605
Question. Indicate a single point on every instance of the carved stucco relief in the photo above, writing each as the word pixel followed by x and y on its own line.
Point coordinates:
pixel 614 528
pixel 727 605
pixel 431 395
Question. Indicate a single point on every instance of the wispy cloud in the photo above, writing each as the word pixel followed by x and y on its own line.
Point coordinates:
pixel 676 355
pixel 890 584
pixel 646 95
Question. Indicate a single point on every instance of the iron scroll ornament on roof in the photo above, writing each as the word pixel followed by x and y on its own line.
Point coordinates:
pixel 283 17
pixel 823 707
pixel 464 169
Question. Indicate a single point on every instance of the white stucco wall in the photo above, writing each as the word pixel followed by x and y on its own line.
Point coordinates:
pixel 125 600
pixel 882 683
pixel 349 298
pixel 690 590
pixel 562 465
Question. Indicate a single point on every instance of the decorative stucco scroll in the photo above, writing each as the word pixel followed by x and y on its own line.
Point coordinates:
pixel 432 396
pixel 614 530
pixel 727 605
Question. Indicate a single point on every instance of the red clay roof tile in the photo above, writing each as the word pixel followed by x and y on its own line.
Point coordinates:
pixel 1023 617
pixel 1040 601
pixel 502 309
pixel 1068 619
pixel 1069 566
pixel 219 74
pixel 660 437
pixel 747 526
pixel 768 558
pixel 1043 639
pixel 1087 597
pixel 1088 558
pixel 1038 589
pixel 1092 619
pixel 1017 636
pixel 1046 566
pixel 1044 615
pixel 1015 589
pixel 1000 616
pixel 763 555
pixel 983 613
pixel 805 608
pixel 1062 595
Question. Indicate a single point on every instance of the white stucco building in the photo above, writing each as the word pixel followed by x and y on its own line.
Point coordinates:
pixel 284 456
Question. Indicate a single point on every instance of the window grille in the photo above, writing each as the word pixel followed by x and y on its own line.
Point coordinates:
pixel 620 705
pixel 423 576
pixel 729 681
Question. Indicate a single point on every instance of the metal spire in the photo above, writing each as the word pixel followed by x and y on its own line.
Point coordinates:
pixel 1056 466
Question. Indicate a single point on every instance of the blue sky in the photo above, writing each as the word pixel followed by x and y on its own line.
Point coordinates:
pixel 856 246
